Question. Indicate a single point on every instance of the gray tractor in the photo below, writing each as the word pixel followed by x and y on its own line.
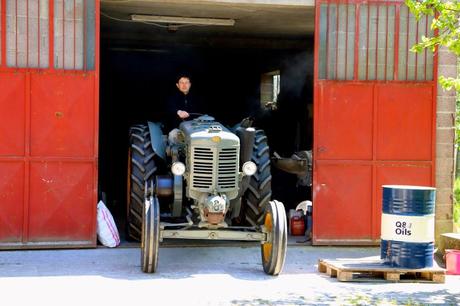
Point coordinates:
pixel 197 183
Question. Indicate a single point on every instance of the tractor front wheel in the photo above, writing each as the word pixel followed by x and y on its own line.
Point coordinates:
pixel 274 249
pixel 150 238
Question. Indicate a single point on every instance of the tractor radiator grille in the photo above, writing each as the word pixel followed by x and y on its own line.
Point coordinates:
pixel 209 173
pixel 228 168
pixel 202 167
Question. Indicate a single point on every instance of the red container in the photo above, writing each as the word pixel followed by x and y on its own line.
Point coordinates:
pixel 297 226
pixel 453 262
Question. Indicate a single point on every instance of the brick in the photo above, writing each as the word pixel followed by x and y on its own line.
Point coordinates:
pixel 447 61
pixel 444 181
pixel 446 57
pixel 444 178
pixel 444 190
pixel 446 93
pixel 444 211
pixel 447 68
pixel 445 135
pixel 444 197
pixel 445 104
pixel 442 227
pixel 445 165
pixel 442 185
pixel 444 150
pixel 447 72
pixel 445 119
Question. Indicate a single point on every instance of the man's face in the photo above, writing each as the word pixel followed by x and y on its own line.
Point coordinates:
pixel 184 85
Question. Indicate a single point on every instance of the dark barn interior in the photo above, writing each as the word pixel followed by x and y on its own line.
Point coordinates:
pixel 228 68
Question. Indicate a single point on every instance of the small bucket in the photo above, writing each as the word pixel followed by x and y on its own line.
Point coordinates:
pixel 453 262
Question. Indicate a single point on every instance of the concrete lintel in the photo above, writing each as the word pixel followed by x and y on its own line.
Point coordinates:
pixel 300 3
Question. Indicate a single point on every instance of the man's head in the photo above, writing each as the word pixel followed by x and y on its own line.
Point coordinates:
pixel 183 84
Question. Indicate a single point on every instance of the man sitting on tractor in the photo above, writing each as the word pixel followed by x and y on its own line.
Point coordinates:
pixel 182 102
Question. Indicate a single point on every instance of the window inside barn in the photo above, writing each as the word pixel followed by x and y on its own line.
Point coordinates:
pixel 270 89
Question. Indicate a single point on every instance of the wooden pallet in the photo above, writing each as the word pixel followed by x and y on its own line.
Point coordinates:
pixel 373 269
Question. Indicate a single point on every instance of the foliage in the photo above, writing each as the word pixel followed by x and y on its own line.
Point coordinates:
pixel 447 26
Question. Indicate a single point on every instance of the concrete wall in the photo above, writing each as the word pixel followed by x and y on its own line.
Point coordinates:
pixel 445 135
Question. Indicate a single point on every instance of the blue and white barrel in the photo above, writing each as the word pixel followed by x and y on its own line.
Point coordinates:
pixel 407 239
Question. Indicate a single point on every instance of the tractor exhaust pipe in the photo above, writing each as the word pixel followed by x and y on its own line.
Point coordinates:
pixel 247 137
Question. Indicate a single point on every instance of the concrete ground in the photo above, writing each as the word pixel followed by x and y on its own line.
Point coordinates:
pixel 221 275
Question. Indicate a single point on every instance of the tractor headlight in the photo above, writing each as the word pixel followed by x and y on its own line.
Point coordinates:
pixel 178 168
pixel 249 168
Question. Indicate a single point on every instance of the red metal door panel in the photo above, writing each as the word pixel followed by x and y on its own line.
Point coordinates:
pixel 398 174
pixel 12 101
pixel 11 200
pixel 344 129
pixel 62 205
pixel 49 95
pixel 344 194
pixel 64 125
pixel 374 109
pixel 405 119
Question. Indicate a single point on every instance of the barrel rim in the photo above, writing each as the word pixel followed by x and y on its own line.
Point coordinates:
pixel 410 187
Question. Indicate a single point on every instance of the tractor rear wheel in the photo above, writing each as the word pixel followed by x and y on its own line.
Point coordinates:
pixel 141 169
pixel 274 250
pixel 259 192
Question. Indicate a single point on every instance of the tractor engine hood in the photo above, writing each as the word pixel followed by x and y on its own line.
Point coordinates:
pixel 205 131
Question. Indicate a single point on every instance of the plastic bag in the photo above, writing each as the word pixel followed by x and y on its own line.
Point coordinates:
pixel 107 232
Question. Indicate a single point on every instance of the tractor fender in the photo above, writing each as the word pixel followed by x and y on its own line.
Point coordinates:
pixel 156 138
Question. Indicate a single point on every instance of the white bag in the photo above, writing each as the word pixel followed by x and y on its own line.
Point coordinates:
pixel 107 231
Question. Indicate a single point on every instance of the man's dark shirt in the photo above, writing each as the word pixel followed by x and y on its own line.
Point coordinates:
pixel 179 101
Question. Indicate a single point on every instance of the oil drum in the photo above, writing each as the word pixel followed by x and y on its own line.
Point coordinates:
pixel 407 228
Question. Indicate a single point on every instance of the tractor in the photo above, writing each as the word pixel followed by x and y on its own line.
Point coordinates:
pixel 203 181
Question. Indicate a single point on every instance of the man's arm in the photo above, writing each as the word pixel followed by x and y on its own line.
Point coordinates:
pixel 174 109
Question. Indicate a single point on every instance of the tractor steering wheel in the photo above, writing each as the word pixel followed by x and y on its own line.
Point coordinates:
pixel 195 114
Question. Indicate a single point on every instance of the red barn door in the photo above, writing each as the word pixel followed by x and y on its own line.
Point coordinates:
pixel 374 114
pixel 48 122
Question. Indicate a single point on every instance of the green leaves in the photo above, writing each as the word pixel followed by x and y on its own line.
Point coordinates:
pixel 446 24
pixel 449 83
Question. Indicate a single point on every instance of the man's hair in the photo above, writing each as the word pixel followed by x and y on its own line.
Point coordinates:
pixel 183 75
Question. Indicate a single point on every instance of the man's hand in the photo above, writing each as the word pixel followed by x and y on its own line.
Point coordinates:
pixel 183 114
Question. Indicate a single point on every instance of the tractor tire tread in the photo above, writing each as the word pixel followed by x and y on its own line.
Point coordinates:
pixel 259 193
pixel 143 169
